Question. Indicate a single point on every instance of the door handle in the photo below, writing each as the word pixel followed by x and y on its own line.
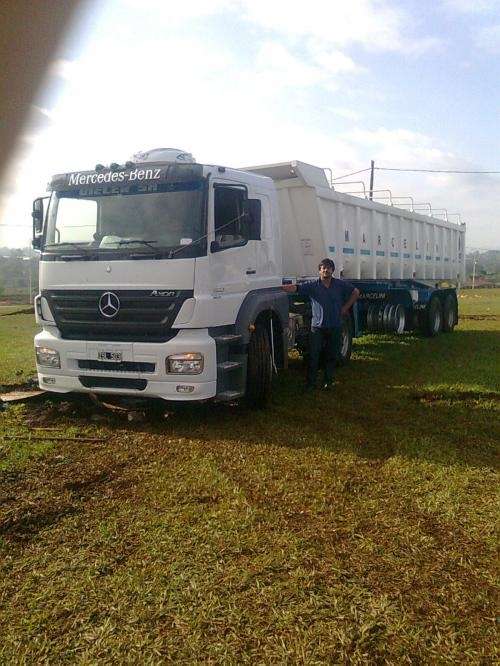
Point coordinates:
pixel 251 271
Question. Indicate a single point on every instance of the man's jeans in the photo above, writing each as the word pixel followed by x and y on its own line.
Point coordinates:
pixel 328 339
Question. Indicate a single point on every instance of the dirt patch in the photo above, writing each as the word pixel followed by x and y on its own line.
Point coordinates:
pixel 72 482
pixel 30 384
pixel 27 524
pixel 432 397
pixel 18 312
pixel 481 317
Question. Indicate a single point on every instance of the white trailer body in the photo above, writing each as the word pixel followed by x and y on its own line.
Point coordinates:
pixel 366 239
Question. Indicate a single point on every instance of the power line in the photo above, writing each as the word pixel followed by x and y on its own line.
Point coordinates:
pixel 351 174
pixel 434 170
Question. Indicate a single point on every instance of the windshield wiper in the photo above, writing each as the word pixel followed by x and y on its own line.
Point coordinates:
pixel 140 241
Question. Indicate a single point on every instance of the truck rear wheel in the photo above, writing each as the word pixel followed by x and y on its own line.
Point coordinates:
pixel 450 314
pixel 432 324
pixel 259 370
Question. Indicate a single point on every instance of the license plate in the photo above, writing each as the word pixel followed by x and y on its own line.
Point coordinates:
pixel 113 356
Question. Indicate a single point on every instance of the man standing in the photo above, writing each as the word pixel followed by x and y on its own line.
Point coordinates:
pixel 331 299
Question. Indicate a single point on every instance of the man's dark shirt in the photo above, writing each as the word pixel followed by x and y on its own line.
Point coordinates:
pixel 326 302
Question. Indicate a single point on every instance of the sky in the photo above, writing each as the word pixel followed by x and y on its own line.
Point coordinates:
pixel 411 84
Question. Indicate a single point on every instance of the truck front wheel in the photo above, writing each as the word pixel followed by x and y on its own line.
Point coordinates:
pixel 259 370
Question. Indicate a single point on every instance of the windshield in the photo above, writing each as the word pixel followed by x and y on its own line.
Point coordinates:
pixel 129 218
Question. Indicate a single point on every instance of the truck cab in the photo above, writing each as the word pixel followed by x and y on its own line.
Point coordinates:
pixel 154 278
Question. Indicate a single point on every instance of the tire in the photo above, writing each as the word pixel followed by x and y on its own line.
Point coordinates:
pixel 345 342
pixel 450 314
pixel 399 319
pixel 433 318
pixel 259 370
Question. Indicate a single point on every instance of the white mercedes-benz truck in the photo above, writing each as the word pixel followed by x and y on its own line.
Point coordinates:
pixel 162 277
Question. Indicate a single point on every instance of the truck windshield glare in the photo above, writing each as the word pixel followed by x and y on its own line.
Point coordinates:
pixel 125 219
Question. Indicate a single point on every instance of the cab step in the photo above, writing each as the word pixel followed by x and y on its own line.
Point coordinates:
pixel 228 396
pixel 228 339
pixel 226 366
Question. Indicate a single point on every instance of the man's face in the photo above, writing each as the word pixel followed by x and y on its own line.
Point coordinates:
pixel 325 272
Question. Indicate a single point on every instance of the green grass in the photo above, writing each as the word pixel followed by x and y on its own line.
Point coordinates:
pixel 17 356
pixel 352 527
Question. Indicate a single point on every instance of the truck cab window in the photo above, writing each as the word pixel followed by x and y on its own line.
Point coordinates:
pixel 230 221
pixel 76 221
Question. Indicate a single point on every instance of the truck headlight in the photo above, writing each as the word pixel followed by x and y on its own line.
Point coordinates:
pixel 190 363
pixel 48 357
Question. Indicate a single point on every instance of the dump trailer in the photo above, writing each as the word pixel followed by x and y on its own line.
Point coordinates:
pixel 163 277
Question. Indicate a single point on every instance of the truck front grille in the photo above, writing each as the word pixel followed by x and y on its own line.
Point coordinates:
pixel 113 383
pixel 142 316
pixel 124 366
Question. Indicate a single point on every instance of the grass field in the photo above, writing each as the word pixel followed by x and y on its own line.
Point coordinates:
pixel 354 527
pixel 17 360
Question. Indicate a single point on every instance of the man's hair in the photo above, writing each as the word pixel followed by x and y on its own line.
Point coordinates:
pixel 327 262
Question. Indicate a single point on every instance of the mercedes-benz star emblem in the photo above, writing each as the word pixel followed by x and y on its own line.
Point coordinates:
pixel 109 304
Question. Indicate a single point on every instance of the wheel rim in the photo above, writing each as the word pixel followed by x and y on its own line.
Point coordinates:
pixel 399 319
pixel 436 324
pixel 344 347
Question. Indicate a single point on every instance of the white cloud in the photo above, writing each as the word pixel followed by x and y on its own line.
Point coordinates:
pixel 278 67
pixel 345 112
pixel 471 6
pixel 338 23
pixel 418 47
pixel 488 38
pixel 170 11
pixel 377 26
pixel 332 61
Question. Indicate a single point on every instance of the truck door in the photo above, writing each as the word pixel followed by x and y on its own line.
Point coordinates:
pixel 233 263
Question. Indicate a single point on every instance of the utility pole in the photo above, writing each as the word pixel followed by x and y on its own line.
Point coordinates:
pixel 371 180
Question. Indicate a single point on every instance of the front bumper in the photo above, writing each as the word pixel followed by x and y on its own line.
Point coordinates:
pixel 154 384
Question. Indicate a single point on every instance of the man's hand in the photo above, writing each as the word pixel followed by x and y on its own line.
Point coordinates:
pixel 289 288
pixel 353 298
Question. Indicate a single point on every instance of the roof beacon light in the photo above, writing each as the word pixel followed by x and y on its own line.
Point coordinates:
pixel 164 155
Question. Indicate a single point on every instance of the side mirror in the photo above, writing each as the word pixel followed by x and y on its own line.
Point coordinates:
pixel 38 218
pixel 254 219
pixel 215 246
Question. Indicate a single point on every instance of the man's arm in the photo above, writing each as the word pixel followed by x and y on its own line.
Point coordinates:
pixel 350 302
pixel 303 289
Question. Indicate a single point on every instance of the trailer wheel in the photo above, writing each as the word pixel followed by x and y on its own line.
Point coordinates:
pixel 433 318
pixel 345 342
pixel 259 370
pixel 450 314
